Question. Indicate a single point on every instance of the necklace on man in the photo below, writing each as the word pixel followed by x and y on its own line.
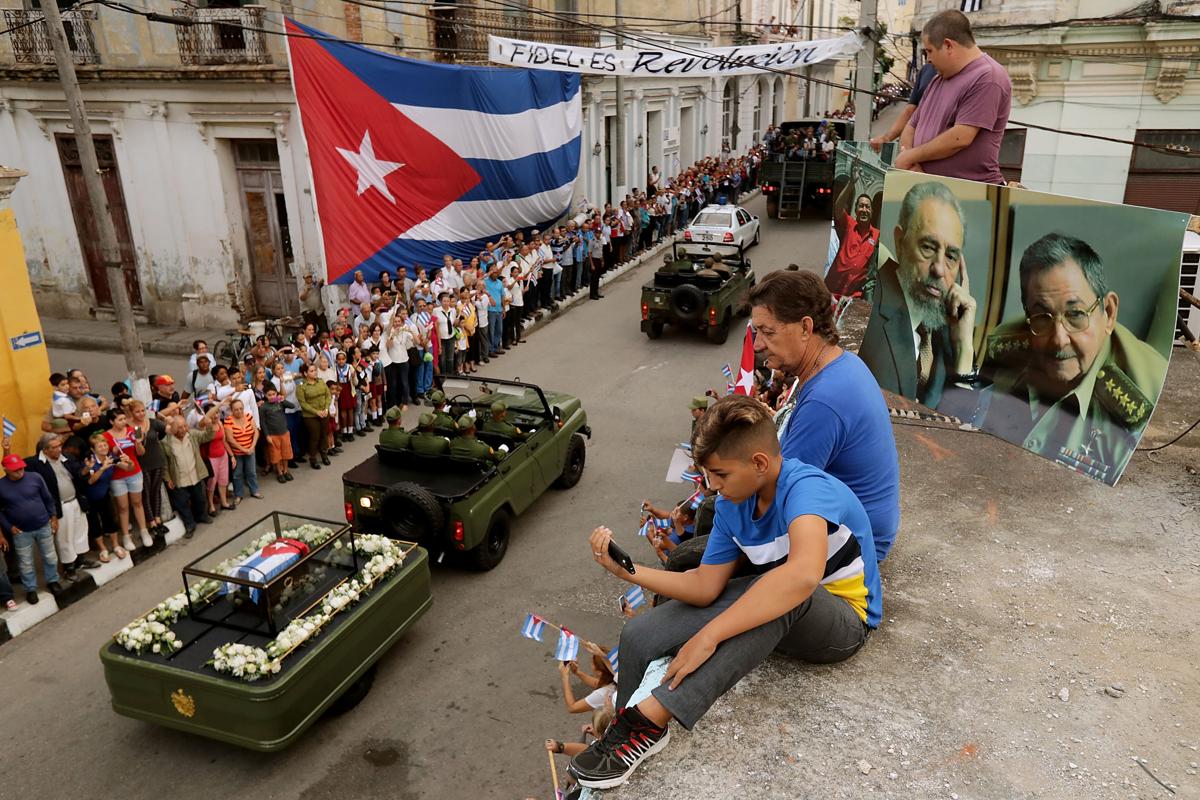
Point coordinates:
pixel 813 367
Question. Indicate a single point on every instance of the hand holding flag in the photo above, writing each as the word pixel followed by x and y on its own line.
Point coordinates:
pixel 568 646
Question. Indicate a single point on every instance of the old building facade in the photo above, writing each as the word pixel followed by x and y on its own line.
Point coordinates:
pixel 203 157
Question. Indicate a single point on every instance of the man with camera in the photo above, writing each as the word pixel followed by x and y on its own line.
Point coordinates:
pixel 312 308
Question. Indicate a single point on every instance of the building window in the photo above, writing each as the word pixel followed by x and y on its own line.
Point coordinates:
pixel 727 111
pixel 1164 180
pixel 1012 153
pixel 777 105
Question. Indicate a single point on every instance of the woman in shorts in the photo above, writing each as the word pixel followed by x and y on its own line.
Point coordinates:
pixel 126 486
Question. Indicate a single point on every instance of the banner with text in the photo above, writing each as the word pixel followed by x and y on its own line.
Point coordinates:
pixel 670 59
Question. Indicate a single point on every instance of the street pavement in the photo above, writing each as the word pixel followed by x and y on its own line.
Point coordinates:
pixel 462 703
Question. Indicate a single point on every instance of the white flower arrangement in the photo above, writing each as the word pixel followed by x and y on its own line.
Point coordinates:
pixel 146 635
pixel 243 661
pixel 252 663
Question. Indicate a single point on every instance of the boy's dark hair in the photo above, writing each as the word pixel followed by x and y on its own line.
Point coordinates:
pixel 196 344
pixel 57 378
pixel 118 389
pixel 735 426
pixel 792 296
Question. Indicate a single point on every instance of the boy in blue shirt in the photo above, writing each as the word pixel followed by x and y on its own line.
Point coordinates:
pixel 815 595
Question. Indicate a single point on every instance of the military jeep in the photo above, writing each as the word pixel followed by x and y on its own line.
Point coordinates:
pixel 698 292
pixel 453 504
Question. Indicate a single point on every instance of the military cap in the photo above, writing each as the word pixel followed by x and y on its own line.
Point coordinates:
pixel 437 396
pixel 59 424
pixel 499 407
pixel 392 414
pixel 699 402
pixel 466 421
pixel 426 420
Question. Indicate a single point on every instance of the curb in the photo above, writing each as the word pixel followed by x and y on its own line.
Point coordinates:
pixel 71 341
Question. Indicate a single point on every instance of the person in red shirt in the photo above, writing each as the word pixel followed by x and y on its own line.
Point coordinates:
pixel 857 239
pixel 126 486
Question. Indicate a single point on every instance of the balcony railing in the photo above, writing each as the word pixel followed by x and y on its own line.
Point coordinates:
pixel 222 36
pixel 31 44
pixel 460 32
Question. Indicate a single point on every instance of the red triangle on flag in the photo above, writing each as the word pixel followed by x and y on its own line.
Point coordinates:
pixel 376 173
pixel 745 379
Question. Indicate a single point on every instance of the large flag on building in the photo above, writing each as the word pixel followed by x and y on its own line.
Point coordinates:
pixel 412 160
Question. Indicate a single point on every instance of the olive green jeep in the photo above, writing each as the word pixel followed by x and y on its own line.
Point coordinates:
pixel 449 503
pixel 698 291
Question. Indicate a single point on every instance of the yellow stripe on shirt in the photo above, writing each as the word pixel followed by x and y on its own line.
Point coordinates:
pixel 853 590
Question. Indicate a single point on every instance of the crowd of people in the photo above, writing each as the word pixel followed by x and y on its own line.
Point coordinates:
pixel 105 467
pixel 817 143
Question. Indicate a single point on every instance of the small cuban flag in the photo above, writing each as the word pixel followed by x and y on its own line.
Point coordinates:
pixel 727 371
pixel 612 659
pixel 692 475
pixel 568 646
pixel 635 597
pixel 532 629
pixel 10 427
pixel 695 500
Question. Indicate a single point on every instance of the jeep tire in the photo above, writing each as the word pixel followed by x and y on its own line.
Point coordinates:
pixel 717 334
pixel 687 302
pixel 412 512
pixel 654 330
pixel 355 693
pixel 574 462
pixel 490 552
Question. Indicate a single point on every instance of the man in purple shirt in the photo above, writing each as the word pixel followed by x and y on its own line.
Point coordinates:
pixel 957 128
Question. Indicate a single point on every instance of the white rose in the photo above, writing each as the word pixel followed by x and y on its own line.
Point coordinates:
pixel 251 667
pixel 156 649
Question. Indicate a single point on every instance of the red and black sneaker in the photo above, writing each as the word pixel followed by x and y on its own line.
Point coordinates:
pixel 629 740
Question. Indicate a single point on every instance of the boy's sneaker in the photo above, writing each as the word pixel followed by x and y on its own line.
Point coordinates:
pixel 629 740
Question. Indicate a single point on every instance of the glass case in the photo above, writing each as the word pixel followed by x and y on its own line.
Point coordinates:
pixel 270 573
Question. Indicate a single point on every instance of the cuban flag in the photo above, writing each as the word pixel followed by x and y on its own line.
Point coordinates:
pixel 412 160
pixel 568 646
pixel 692 475
pixel 635 597
pixel 532 629
pixel 264 565
pixel 10 427
pixel 745 380
pixel 727 372
pixel 695 500
pixel 613 659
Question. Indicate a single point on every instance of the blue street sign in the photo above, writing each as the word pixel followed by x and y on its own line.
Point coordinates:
pixel 27 339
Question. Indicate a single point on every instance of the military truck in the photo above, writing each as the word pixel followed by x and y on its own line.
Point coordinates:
pixel 696 291
pixel 790 185
pixel 451 504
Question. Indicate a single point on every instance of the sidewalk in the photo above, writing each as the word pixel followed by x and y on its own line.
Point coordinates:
pixel 102 335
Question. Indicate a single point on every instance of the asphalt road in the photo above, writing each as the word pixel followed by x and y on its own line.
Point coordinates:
pixel 461 705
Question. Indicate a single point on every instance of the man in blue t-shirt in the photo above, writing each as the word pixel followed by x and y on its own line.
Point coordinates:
pixel 816 594
pixel 836 418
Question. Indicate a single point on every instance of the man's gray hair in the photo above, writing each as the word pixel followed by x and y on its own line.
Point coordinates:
pixel 1053 249
pixel 929 190
pixel 46 440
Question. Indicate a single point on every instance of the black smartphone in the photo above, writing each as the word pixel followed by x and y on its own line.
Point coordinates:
pixel 620 556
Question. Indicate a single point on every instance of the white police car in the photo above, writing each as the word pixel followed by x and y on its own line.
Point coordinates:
pixel 717 228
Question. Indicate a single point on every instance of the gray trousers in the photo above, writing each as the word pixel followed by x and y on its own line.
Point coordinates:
pixel 824 629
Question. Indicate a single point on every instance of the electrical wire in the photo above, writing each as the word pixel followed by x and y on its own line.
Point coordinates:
pixel 1191 428
pixel 30 22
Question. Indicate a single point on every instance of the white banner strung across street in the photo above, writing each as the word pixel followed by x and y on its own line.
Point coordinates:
pixel 670 60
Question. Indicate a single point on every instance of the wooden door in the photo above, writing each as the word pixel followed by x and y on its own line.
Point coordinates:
pixel 85 224
pixel 264 214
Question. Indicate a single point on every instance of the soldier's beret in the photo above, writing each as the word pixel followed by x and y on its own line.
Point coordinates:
pixel 426 419
pixel 499 407
pixel 699 402
pixel 466 421
pixel 392 414
pixel 437 396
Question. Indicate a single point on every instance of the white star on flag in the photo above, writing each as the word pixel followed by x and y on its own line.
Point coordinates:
pixel 745 381
pixel 371 170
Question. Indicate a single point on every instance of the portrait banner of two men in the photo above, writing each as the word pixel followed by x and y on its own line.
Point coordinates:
pixel 1044 320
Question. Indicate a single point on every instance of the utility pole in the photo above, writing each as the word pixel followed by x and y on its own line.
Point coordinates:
pixel 619 158
pixel 110 249
pixel 864 80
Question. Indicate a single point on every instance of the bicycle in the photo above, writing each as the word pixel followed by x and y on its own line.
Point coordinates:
pixel 280 331
pixel 230 354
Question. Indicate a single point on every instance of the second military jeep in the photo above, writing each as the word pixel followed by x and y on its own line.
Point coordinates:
pixel 696 291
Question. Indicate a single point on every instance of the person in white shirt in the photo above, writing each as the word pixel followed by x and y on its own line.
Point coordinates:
pixel 483 303
pixel 445 317
pixel 396 343
pixel 516 307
